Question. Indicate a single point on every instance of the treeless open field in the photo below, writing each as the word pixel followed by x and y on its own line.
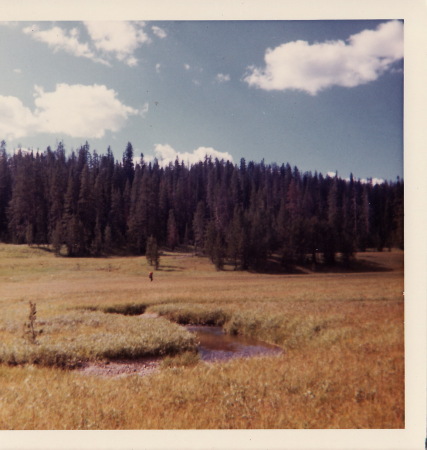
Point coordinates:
pixel 342 335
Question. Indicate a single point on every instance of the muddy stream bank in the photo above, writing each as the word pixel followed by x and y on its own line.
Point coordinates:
pixel 214 346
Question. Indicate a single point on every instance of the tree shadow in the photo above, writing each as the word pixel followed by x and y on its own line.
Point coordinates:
pixel 165 268
pixel 42 247
pixel 275 267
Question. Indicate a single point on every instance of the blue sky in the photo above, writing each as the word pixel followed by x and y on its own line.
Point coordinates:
pixel 321 95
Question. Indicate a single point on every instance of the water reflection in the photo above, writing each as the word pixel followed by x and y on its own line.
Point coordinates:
pixel 216 345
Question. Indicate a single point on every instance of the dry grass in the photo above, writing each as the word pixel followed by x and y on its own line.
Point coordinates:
pixel 343 334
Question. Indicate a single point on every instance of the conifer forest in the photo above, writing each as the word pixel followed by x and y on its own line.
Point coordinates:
pixel 82 203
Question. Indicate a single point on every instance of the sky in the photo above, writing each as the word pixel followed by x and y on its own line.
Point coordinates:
pixel 324 96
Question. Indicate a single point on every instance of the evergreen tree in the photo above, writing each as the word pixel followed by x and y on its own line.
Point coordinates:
pixel 128 164
pixel 172 231
pixel 244 215
pixel 237 240
pixel 86 211
pixel 214 245
pixel 5 191
pixel 20 208
pixel 199 227
pixel 152 252
pixel 57 238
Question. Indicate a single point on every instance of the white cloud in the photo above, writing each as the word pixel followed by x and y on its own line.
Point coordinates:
pixel 167 154
pixel 312 68
pixel 187 66
pixel 59 39
pixel 23 150
pixel 118 38
pixel 373 181
pixel 17 71
pixel 222 78
pixel 73 110
pixel 144 110
pixel 158 66
pixel 159 32
pixel 108 40
pixel 16 120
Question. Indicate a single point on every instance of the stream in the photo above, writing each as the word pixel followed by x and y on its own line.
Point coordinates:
pixel 216 345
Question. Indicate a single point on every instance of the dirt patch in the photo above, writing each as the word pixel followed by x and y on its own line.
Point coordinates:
pixel 117 368
pixel 149 315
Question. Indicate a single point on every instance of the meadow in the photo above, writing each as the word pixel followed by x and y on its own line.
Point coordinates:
pixel 342 335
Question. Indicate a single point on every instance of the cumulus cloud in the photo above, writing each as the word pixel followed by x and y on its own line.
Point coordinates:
pixel 372 181
pixel 73 110
pixel 314 67
pixel 222 78
pixel 16 120
pixel 166 154
pixel 108 40
pixel 118 38
pixel 58 39
pixel 159 32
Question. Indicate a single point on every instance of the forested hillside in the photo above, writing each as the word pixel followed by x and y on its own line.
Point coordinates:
pixel 92 204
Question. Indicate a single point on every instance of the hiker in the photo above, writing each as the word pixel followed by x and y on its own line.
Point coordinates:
pixel 150 276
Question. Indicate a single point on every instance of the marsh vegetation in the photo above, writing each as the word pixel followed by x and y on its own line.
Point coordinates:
pixel 341 334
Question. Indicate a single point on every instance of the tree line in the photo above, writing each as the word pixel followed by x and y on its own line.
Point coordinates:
pixel 90 204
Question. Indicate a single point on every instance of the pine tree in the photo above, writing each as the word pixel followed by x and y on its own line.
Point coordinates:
pixel 237 240
pixel 363 219
pixel 128 164
pixel 172 231
pixel 247 214
pixel 5 191
pixel 86 211
pixel 73 234
pixel 136 235
pixel 199 227
pixel 152 252
pixel 215 245
pixel 57 238
pixel 20 207
pixel 398 216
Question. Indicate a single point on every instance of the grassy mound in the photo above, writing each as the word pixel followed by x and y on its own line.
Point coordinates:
pixel 69 339
pixel 192 313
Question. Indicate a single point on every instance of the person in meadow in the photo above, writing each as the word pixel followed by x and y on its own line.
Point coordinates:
pixel 150 276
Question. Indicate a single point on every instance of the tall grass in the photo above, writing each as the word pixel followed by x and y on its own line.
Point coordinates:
pixel 343 365
pixel 75 337
pixel 192 313
pixel 311 389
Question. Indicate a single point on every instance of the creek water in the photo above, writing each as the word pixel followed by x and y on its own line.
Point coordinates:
pixel 216 345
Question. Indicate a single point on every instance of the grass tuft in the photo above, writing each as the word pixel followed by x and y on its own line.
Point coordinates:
pixel 192 313
pixel 186 359
pixel 72 338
